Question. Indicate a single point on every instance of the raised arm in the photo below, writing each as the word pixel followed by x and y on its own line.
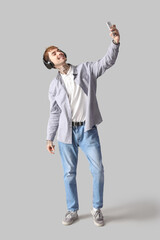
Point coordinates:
pixel 100 66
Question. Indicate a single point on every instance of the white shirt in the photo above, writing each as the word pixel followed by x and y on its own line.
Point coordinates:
pixel 77 97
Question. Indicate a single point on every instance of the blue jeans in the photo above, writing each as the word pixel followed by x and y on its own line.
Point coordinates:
pixel 90 145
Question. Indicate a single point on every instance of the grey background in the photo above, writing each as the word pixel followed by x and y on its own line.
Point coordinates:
pixel 32 189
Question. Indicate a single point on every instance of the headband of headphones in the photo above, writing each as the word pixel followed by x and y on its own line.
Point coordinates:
pixel 50 64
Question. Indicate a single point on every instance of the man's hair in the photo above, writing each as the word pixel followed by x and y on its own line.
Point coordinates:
pixel 46 55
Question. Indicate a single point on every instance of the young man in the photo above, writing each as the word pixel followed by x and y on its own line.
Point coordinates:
pixel 74 112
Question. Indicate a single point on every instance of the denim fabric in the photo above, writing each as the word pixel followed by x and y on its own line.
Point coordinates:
pixel 85 74
pixel 90 145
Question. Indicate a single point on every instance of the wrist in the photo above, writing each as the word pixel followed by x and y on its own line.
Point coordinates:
pixel 49 141
pixel 115 42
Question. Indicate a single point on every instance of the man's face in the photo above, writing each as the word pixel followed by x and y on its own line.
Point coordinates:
pixel 57 57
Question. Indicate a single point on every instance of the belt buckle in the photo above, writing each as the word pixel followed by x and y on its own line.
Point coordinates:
pixel 74 123
pixel 78 123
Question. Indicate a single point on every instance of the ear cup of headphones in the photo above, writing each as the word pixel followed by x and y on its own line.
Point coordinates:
pixel 50 64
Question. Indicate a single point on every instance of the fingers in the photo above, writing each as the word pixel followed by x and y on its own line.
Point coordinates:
pixel 51 148
pixel 113 26
pixel 114 31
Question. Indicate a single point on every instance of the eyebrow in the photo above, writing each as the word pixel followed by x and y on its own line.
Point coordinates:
pixel 54 51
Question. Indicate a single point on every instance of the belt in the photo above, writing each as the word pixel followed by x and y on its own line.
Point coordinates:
pixel 78 123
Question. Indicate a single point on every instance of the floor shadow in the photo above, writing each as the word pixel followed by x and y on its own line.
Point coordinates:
pixel 142 210
pixel 84 216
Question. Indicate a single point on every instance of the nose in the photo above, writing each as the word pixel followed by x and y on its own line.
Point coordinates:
pixel 58 52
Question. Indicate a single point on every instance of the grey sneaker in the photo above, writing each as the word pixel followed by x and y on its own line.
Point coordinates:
pixel 97 217
pixel 70 217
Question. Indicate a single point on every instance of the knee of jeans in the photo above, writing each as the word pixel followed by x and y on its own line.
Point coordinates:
pixel 97 169
pixel 70 174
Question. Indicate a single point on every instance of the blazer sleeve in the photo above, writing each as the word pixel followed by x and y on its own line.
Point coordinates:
pixel 100 66
pixel 54 115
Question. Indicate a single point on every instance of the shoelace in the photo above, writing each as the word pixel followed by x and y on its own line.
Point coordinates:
pixel 98 214
pixel 69 214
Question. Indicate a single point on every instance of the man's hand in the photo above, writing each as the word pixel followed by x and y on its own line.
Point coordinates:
pixel 50 147
pixel 116 37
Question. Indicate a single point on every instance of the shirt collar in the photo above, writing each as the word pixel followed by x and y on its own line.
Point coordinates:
pixel 75 72
pixel 68 73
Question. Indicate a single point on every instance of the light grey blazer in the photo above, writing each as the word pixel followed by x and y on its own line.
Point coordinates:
pixel 85 74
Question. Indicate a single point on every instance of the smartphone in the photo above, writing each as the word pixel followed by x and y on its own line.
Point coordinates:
pixel 109 24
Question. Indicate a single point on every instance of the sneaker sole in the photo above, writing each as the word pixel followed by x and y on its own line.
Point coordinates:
pixel 98 224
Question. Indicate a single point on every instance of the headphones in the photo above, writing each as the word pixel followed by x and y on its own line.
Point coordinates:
pixel 50 64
